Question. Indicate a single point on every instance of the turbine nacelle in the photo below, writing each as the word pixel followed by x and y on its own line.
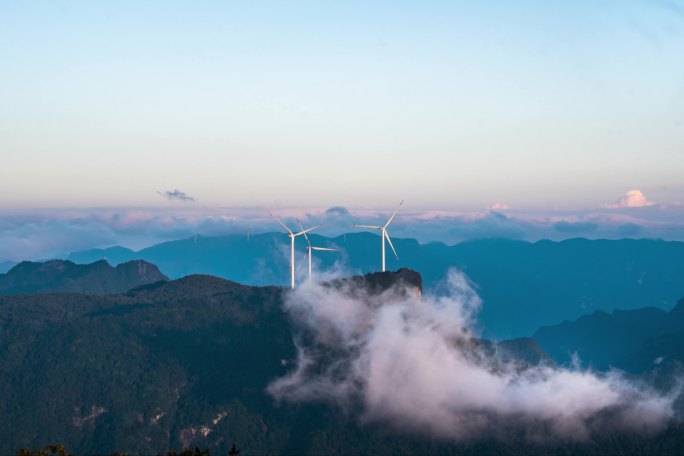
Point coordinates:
pixel 292 241
pixel 309 247
pixel 383 234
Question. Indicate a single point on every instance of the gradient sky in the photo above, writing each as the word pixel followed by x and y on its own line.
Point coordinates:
pixel 451 105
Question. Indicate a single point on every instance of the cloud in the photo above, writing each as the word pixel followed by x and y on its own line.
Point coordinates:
pixel 39 239
pixel 337 211
pixel 629 229
pixel 31 234
pixel 479 226
pixel 498 207
pixel 575 227
pixel 177 195
pixel 633 198
pixel 410 362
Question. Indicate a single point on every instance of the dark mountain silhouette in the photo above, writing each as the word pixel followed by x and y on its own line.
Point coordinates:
pixel 186 363
pixel 523 349
pixel 634 340
pixel 523 285
pixel 68 277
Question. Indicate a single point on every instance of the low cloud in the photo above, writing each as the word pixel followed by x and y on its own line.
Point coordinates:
pixel 498 207
pixel 177 195
pixel 337 211
pixel 37 239
pixel 630 229
pixel 633 198
pixel 410 362
pixel 31 235
pixel 575 227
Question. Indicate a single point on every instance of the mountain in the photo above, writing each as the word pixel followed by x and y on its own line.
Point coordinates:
pixel 635 340
pixel 114 255
pixel 261 259
pixel 166 365
pixel 523 349
pixel 186 363
pixel 523 285
pixel 68 277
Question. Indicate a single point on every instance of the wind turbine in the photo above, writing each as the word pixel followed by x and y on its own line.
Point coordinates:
pixel 292 240
pixel 309 247
pixel 384 235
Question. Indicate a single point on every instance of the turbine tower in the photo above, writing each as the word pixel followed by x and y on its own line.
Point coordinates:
pixel 384 235
pixel 292 242
pixel 309 248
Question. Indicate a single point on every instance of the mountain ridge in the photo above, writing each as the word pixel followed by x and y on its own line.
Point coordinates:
pixel 626 339
pixel 523 285
pixel 68 277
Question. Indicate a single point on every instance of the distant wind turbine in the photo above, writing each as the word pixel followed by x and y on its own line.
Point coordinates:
pixel 292 242
pixel 309 247
pixel 384 235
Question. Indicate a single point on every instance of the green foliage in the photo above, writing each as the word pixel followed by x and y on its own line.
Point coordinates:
pixel 57 450
pixel 186 365
pixel 190 452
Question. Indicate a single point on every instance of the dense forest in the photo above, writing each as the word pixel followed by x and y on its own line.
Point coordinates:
pixel 186 364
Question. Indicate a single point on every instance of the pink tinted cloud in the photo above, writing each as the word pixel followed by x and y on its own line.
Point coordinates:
pixel 631 199
pixel 498 207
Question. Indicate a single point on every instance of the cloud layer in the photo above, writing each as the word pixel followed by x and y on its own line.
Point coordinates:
pixel 177 195
pixel 411 362
pixel 633 198
pixel 30 235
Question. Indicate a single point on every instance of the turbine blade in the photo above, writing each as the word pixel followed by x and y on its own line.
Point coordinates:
pixel 390 243
pixel 368 226
pixel 305 236
pixel 280 221
pixel 307 230
pixel 392 216
pixel 325 248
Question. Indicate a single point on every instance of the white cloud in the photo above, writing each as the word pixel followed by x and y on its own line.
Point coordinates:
pixel 411 362
pixel 498 207
pixel 633 198
pixel 32 234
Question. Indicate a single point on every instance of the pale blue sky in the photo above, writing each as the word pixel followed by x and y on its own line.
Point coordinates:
pixel 451 105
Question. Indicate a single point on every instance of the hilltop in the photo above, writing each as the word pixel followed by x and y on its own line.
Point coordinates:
pixel 60 276
pixel 635 340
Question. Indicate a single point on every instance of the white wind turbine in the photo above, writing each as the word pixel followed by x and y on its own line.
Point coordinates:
pixel 309 247
pixel 384 235
pixel 292 240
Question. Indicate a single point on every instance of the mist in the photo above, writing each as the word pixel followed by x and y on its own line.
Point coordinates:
pixel 411 362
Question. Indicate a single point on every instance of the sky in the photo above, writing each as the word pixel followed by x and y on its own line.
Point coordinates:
pixel 550 109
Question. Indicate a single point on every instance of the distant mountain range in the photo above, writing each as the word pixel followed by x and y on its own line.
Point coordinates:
pixel 634 340
pixel 523 285
pixel 67 277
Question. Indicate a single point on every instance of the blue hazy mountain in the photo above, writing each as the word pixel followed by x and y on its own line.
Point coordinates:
pixel 67 277
pixel 6 266
pixel 264 259
pixel 113 255
pixel 634 340
pixel 523 285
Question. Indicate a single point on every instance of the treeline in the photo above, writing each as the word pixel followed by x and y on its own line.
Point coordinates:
pixel 60 450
